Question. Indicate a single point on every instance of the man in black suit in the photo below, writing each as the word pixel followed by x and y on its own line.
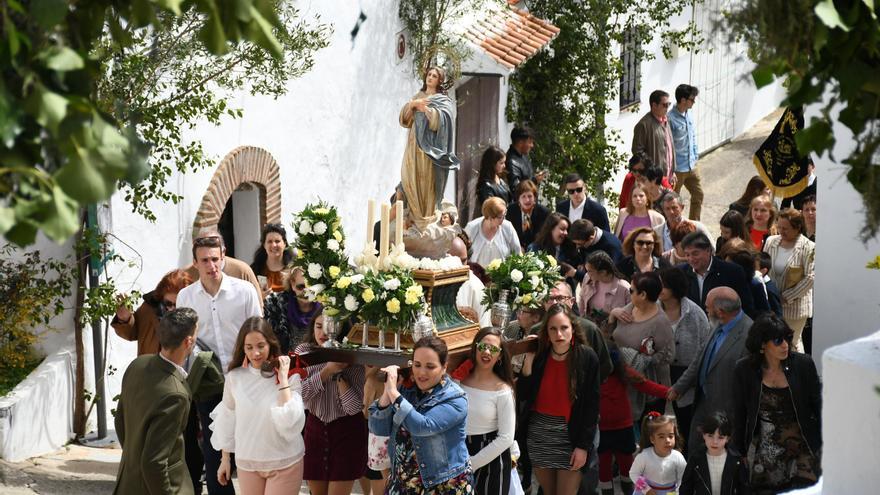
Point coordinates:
pixel 580 206
pixel 705 272
pixel 519 165
pixel 525 214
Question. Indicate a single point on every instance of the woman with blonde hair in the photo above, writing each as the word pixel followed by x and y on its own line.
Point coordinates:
pixel 761 221
pixel 637 213
pixel 289 311
pixel 492 236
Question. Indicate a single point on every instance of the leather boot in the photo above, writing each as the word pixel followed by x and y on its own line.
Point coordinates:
pixel 608 491
pixel 626 486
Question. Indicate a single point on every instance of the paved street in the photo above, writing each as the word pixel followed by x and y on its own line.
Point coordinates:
pixel 78 470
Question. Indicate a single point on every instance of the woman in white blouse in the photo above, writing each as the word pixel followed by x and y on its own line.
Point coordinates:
pixel 491 417
pixel 261 417
pixel 492 237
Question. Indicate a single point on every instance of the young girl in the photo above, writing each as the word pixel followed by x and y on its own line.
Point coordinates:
pixel 659 467
pixel 261 417
pixel 717 471
pixel 616 438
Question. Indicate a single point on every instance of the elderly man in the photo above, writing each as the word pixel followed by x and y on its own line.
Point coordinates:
pixel 672 211
pixel 470 294
pixel 712 372
pixel 706 271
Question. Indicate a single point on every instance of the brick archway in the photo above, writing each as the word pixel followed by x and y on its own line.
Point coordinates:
pixel 245 164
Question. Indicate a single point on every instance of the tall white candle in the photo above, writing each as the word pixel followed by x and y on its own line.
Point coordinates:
pixel 371 221
pixel 383 233
pixel 398 223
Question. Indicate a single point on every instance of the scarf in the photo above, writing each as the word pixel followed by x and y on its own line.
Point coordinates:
pixel 297 318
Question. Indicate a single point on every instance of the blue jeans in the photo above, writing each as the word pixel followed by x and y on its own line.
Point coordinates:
pixel 212 457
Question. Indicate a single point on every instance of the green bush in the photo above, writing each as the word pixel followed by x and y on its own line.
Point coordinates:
pixel 33 291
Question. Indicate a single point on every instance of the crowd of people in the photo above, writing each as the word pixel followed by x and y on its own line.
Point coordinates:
pixel 664 359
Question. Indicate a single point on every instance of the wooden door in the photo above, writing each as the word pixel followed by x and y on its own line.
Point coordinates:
pixel 476 128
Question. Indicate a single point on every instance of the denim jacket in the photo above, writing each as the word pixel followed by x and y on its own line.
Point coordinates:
pixel 436 423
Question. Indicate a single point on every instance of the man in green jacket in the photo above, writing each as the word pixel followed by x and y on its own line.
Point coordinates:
pixel 152 413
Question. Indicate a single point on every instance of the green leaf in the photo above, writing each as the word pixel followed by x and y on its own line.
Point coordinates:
pixel 261 32
pixel 10 127
pixel 11 35
pixel 23 233
pixel 62 59
pixel 7 219
pixel 59 218
pixel 213 35
pixel 815 138
pixel 763 76
pixel 48 13
pixel 81 177
pixel 829 15
pixel 47 107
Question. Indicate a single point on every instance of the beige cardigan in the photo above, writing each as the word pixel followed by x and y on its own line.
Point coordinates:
pixel 796 281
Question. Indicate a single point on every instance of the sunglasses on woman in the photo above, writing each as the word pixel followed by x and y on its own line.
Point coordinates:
pixel 644 243
pixel 493 349
pixel 787 338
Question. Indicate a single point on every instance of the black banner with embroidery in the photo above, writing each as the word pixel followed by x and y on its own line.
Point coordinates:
pixel 777 160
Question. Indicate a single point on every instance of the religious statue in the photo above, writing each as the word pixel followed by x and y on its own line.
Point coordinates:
pixel 429 155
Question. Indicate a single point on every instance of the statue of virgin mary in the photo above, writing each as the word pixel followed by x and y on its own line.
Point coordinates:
pixel 429 155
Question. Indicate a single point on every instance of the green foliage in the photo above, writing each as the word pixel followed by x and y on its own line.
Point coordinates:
pixel 167 85
pixel 828 53
pixel 33 291
pixel 60 148
pixel 100 302
pixel 10 377
pixel 563 92
pixel 320 245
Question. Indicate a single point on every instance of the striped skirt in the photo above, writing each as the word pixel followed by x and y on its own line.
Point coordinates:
pixel 548 443
pixel 493 478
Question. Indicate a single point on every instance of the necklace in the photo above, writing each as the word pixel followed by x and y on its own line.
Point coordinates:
pixel 558 353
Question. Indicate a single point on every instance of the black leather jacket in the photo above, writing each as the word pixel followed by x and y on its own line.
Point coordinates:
pixel 696 479
pixel 806 395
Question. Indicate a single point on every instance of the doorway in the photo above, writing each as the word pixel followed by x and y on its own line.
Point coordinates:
pixel 476 127
pixel 240 222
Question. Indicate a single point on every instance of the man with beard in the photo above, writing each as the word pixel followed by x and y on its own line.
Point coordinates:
pixel 712 373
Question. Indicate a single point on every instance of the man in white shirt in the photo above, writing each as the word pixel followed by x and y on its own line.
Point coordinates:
pixel 223 303
pixel 470 294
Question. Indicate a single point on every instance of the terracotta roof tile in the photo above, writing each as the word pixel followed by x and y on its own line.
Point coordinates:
pixel 510 36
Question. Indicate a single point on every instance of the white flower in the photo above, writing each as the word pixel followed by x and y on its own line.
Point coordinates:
pixel 333 245
pixel 304 227
pixel 312 291
pixel 316 245
pixel 351 303
pixel 450 263
pixel 516 275
pixel 315 270
pixel 320 228
pixel 392 284
pixel 535 281
pixel 332 301
pixel 540 264
pixel 356 278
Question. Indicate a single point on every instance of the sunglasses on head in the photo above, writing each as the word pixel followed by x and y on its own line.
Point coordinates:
pixel 483 347
pixel 787 338
pixel 575 190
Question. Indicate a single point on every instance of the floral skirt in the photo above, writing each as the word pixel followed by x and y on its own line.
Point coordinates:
pixel 405 478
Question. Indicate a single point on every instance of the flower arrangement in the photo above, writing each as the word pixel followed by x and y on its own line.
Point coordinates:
pixel 320 246
pixel 392 299
pixel 528 276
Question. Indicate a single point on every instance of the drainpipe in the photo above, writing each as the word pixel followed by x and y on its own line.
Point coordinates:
pixel 95 267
